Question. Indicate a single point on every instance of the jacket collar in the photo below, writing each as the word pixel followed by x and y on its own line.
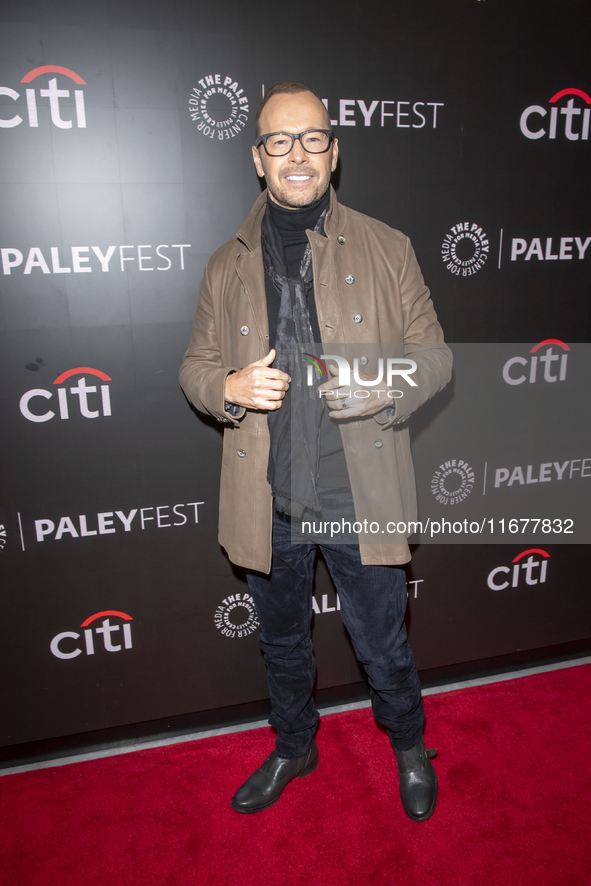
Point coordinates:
pixel 250 232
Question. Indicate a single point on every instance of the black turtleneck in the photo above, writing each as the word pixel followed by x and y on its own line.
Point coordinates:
pixel 292 224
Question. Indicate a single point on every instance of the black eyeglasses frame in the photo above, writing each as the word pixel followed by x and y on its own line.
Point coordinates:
pixel 262 140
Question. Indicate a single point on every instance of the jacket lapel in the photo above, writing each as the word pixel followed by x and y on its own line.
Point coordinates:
pixel 249 268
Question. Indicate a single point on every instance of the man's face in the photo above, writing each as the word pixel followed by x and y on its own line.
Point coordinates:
pixel 298 179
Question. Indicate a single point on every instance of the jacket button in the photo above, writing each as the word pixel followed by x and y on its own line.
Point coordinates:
pixel 358 318
pixel 378 444
pixel 349 278
pixel 341 240
pixel 244 330
pixel 363 361
pixel 241 453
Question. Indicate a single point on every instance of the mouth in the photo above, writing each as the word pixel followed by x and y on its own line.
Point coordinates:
pixel 298 178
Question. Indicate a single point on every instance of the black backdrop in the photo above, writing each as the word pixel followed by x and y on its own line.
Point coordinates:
pixel 125 131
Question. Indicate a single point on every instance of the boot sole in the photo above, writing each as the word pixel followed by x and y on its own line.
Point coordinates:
pixel 249 811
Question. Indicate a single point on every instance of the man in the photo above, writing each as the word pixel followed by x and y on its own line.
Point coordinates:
pixel 305 269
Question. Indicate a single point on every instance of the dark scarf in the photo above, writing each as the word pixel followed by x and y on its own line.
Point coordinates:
pixel 293 469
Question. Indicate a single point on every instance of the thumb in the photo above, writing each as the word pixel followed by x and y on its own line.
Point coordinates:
pixel 266 361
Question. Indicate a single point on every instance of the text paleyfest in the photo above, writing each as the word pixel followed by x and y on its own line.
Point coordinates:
pixel 390 112
pixel 85 259
pixel 109 522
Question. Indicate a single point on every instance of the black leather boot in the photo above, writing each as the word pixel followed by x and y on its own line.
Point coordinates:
pixel 264 786
pixel 418 781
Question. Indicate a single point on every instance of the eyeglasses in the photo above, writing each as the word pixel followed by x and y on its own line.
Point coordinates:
pixel 278 144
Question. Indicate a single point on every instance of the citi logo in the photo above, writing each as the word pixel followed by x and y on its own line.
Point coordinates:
pixel 554 364
pixel 81 390
pixel 574 126
pixel 112 640
pixel 52 93
pixel 533 569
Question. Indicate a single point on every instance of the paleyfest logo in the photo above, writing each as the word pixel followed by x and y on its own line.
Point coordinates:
pixel 52 93
pixel 219 107
pixel 465 249
pixel 77 259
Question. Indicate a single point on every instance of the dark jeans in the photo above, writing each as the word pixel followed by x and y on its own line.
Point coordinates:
pixel 373 603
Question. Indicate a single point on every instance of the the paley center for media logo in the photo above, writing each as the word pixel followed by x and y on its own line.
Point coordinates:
pixel 219 107
pixel 452 482
pixel 465 249
pixel 236 616
pixel 39 98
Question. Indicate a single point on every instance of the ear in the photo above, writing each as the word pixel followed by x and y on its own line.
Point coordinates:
pixel 335 154
pixel 257 162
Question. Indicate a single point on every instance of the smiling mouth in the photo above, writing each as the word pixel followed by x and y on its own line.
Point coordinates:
pixel 298 178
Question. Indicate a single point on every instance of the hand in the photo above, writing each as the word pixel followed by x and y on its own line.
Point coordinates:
pixel 344 402
pixel 258 385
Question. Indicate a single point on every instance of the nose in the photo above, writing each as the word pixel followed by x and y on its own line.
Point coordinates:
pixel 298 153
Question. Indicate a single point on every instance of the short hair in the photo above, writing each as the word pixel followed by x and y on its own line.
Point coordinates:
pixel 285 89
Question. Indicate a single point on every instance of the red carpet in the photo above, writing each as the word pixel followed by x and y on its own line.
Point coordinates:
pixel 514 771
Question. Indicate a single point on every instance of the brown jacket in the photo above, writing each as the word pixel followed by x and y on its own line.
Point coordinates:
pixel 231 330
